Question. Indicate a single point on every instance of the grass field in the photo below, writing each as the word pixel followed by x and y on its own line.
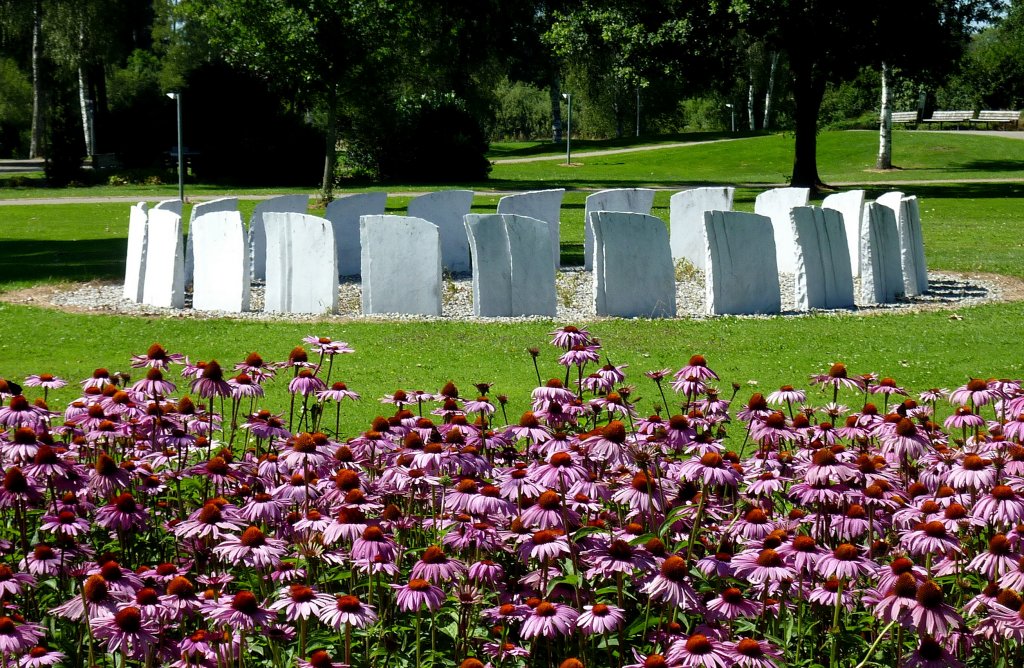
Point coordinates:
pixel 970 224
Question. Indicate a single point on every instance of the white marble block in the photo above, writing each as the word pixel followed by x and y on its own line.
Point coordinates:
pixel 257 233
pixel 513 273
pixel 172 205
pixel 445 209
pixel 740 271
pixel 202 208
pixel 401 265
pixel 686 220
pixel 221 279
pixel 164 284
pixel 881 276
pixel 823 278
pixel 543 205
pixel 851 205
pixel 627 200
pixel 912 218
pixel 344 213
pixel 302 269
pixel 135 260
pixel 775 204
pixel 633 271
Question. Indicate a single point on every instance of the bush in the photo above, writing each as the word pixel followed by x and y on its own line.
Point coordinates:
pixel 522 111
pixel 65 145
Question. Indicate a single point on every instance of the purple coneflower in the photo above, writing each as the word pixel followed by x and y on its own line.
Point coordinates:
pixel 435 566
pixel 252 548
pixel 930 538
pixel 210 382
pixel 301 602
pixel 348 610
pixel 568 336
pixel 549 620
pixel 156 357
pixel 40 657
pixel 699 651
pixel 600 618
pixel 751 653
pixel 128 631
pixel 976 393
pixel 765 567
pixel 122 514
pixel 931 654
pixel 930 613
pixel 418 593
pixel 47 381
pixel 730 604
pixel 671 584
pixel 1001 506
pixel 320 659
pixel 16 637
pixel 305 383
pixel 323 345
pixel 844 562
pixel 242 611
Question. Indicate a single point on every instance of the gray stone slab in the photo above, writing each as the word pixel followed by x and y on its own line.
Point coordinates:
pixel 908 256
pixel 543 205
pixel 686 220
pixel 513 272
pixel 172 205
pixel 633 271
pixel 164 284
pixel 627 200
pixel 401 265
pixel 823 277
pixel 221 278
pixel 851 205
pixel 257 234
pixel 445 209
pixel 135 259
pixel 881 276
pixel 740 271
pixel 222 204
pixel 912 217
pixel 302 268
pixel 775 204
pixel 344 213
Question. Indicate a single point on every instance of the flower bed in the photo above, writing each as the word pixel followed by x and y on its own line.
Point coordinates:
pixel 146 527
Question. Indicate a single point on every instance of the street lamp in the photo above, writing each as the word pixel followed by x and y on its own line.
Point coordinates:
pixel 181 153
pixel 568 129
pixel 732 111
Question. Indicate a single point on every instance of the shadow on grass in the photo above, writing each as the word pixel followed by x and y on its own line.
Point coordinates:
pixel 580 145
pixel 992 166
pixel 38 261
pixel 952 190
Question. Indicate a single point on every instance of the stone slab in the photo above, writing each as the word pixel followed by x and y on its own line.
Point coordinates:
pixel 221 279
pixel 740 271
pixel 851 205
pixel 633 271
pixel 302 269
pixel 543 205
pixel 164 285
pixel 344 213
pixel 401 265
pixel 221 204
pixel 775 204
pixel 908 246
pixel 627 200
pixel 445 209
pixel 686 220
pixel 912 217
pixel 257 234
pixel 172 205
pixel 513 271
pixel 135 259
pixel 823 277
pixel 492 265
pixel 881 276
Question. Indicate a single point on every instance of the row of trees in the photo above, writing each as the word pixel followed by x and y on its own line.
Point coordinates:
pixel 409 88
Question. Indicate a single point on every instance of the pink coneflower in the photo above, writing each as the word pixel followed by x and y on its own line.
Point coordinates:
pixel 47 381
pixel 600 618
pixel 975 393
pixel 374 544
pixel 320 659
pixel 836 378
pixel 1001 506
pixel 549 513
pixel 997 560
pixel 751 653
pixel 930 538
pixel 17 487
pixel 122 514
pixel 828 594
pixel 435 566
pixel 608 444
pixel 20 413
pixel 710 469
pixel 418 593
pixel 568 336
pixel 306 383
pixel 730 604
pixel 671 584
pixel 931 654
pixel 252 548
pixel 180 597
pixel 128 630
pixel 529 427
pixel 545 545
pixel 905 440
pixel 40 657
pixel 618 556
pixel 972 473
pixel 210 382
pixel 900 597
pixel 301 602
pixel 15 637
pixel 580 355
pixel 242 611
pixel 254 366
pixel 549 620
pixel 154 385
pixel 787 395
pixel 156 357
pixel 930 613
pixel 763 567
pixel 699 651
pixel 11 583
pixel 244 386
pixel 323 345
pixel 845 562
pixel 337 392
pixel 771 429
pixel 649 661
pixel 697 367
pixel 348 610
pixel 803 553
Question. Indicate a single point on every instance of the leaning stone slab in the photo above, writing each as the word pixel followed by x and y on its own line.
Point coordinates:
pixel 775 204
pixel 740 271
pixel 173 205
pixel 633 271
pixel 881 277
pixel 135 260
pixel 344 213
pixel 492 265
pixel 686 220
pixel 912 217
pixel 202 208
pixel 513 273
pixel 823 278
pixel 851 205
pixel 221 279
pixel 627 200
pixel 257 233
pixel 164 284
pixel 908 256
pixel 302 269
pixel 445 208
pixel 401 265
pixel 543 205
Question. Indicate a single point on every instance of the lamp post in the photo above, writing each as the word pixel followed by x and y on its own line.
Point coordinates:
pixel 181 154
pixel 568 129
pixel 732 111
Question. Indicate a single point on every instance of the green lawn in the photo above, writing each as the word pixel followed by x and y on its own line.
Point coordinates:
pixel 967 226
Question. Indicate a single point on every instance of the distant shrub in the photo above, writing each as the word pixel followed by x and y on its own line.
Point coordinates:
pixel 522 111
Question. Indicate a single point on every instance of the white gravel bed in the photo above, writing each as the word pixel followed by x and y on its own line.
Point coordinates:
pixel 575 300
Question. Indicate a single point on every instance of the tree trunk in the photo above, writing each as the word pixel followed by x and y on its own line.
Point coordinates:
pixel 808 91
pixel 770 91
pixel 84 99
pixel 36 142
pixel 330 148
pixel 555 92
pixel 750 102
pixel 885 123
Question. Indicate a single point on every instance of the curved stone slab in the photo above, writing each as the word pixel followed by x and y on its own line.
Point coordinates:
pixel 545 205
pixel 302 270
pixel 135 259
pixel 823 278
pixel 344 213
pixel 626 200
pixel 445 209
pixel 686 220
pixel 172 205
pixel 221 280
pixel 775 204
pixel 257 234
pixel 851 205
pixel 881 278
pixel 164 284
pixel 912 216
pixel 513 272
pixel 202 208
pixel 740 271
pixel 908 252
pixel 633 271
pixel 401 265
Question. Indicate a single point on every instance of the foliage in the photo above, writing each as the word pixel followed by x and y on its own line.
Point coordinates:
pixel 522 111
pixel 15 109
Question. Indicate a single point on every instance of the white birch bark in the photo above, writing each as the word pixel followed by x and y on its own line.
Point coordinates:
pixel 885 124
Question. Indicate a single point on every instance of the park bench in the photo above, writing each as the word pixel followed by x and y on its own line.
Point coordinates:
pixel 1003 117
pixel 956 117
pixel 904 117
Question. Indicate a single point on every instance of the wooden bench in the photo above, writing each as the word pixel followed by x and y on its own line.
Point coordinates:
pixel 990 116
pixel 956 117
pixel 904 117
